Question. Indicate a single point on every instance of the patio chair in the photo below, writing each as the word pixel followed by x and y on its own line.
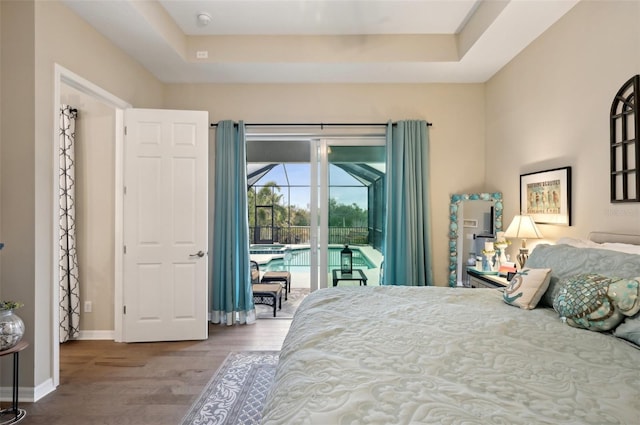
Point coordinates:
pixel 265 292
pixel 255 272
pixel 283 277
pixel 269 294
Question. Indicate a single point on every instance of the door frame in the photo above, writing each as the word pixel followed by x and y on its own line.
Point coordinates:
pixel 62 76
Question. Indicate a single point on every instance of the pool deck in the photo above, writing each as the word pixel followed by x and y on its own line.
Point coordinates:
pixel 303 280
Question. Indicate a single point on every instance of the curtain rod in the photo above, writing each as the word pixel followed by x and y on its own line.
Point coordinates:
pixel 321 125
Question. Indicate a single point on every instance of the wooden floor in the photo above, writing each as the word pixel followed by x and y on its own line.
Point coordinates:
pixel 103 382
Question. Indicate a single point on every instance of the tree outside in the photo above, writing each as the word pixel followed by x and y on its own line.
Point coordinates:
pixel 287 216
pixel 270 194
pixel 342 215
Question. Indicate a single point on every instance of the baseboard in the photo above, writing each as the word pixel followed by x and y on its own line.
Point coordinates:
pixel 27 394
pixel 42 390
pixel 94 335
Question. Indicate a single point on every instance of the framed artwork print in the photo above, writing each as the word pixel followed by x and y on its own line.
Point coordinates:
pixel 546 196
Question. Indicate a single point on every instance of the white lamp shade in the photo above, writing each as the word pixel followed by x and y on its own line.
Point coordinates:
pixel 523 227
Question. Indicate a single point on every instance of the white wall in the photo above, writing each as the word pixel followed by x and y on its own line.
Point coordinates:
pixel 549 108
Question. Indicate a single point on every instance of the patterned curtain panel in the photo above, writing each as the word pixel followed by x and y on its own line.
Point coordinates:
pixel 69 286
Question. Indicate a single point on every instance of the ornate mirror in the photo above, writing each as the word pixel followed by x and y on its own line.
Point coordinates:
pixel 482 204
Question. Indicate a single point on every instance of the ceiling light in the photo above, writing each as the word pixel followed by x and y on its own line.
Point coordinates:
pixel 203 19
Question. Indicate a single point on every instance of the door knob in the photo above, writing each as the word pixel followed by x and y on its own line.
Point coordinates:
pixel 198 254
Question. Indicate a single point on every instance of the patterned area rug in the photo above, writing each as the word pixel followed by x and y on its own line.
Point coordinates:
pixel 288 307
pixel 236 393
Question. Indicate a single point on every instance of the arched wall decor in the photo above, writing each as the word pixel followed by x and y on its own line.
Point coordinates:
pixel 454 206
pixel 625 144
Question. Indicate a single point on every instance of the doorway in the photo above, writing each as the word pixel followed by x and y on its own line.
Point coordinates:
pixel 108 115
pixel 350 207
pixel 316 194
pixel 94 180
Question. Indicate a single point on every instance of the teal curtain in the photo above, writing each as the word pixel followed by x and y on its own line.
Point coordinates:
pixel 407 246
pixel 232 297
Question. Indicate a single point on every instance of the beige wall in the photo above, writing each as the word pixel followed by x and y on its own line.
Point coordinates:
pixel 95 206
pixel 550 106
pixel 42 34
pixel 0 138
pixel 356 103
pixel 17 166
pixel 456 110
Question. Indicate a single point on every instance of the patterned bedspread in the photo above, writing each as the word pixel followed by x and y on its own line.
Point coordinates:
pixel 416 355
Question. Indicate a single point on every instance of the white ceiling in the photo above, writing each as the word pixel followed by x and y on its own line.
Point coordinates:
pixel 321 17
pixel 329 41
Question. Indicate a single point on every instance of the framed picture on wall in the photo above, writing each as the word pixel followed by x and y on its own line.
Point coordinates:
pixel 546 196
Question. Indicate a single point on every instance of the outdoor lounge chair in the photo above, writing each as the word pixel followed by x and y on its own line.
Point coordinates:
pixel 265 292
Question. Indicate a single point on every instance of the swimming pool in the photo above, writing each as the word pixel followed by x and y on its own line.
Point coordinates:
pixel 299 260
pixel 268 249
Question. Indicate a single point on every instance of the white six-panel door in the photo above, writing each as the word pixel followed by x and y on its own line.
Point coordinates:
pixel 165 225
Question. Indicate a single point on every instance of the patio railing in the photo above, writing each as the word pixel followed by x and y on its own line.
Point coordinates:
pixel 301 235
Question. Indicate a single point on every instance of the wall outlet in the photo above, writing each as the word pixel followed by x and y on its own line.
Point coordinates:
pixel 88 306
pixel 202 54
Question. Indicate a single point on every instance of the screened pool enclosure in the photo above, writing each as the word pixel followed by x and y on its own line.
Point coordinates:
pixel 279 195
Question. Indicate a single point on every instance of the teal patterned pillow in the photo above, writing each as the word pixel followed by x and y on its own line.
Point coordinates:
pixel 597 302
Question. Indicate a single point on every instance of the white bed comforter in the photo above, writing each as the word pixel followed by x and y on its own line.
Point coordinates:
pixel 408 355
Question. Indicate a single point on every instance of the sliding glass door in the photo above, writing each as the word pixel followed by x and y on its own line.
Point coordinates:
pixel 347 193
pixel 308 198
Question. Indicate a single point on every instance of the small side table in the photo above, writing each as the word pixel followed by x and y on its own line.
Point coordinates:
pixel 355 275
pixel 16 415
pixel 479 279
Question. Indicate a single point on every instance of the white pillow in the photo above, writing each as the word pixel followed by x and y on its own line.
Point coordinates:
pixel 578 243
pixel 622 247
pixel 527 287
pixel 613 246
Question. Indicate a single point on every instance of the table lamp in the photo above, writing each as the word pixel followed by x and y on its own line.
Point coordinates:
pixel 523 227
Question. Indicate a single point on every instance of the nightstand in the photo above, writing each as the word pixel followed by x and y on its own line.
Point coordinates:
pixel 479 279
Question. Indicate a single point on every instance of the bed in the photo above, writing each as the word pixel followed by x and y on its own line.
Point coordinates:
pixel 435 355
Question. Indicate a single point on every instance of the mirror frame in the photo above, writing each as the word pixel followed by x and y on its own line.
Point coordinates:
pixel 456 198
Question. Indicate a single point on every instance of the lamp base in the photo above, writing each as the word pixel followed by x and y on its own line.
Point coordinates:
pixel 523 256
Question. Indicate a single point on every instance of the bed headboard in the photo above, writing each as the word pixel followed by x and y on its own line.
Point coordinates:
pixel 602 237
